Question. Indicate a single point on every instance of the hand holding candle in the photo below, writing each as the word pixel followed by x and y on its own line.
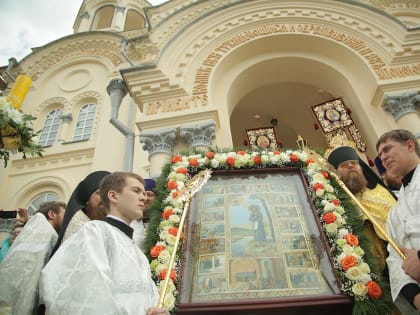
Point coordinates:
pixel 19 90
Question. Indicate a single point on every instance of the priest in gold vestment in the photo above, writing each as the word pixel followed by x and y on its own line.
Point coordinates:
pixel 372 193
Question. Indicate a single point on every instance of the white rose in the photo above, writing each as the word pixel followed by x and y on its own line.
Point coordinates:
pixel 164 257
pixel 331 228
pixel 214 163
pixel 174 218
pixel 359 289
pixel 169 301
pixel 354 273
pixel 343 232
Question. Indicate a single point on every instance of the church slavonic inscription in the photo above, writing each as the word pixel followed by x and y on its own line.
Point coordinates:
pixel 174 104
pixel 383 71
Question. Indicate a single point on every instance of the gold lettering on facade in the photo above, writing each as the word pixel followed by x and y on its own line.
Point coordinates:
pixel 376 62
pixel 174 104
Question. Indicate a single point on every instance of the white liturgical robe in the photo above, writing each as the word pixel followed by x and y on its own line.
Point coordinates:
pixel 98 270
pixel 21 268
pixel 138 232
pixel 404 228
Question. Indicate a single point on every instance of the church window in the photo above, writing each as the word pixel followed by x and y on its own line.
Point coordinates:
pixel 103 17
pixel 84 125
pixel 36 202
pixel 51 126
pixel 134 21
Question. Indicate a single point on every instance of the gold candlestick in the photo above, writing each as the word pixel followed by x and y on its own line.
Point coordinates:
pixel 19 90
pixel 186 193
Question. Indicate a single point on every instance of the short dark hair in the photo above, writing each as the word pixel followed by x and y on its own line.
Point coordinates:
pixel 51 205
pixel 401 136
pixel 115 181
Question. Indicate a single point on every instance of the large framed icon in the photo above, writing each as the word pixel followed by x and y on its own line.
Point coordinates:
pixel 254 243
pixel 262 138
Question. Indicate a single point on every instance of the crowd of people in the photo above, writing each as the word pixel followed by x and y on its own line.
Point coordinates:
pixel 66 253
pixel 57 261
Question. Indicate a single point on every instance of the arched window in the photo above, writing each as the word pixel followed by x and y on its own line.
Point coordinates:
pixel 103 18
pixel 134 21
pixel 51 126
pixel 36 202
pixel 85 122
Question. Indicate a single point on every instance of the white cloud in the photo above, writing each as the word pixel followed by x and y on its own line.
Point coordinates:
pixel 29 24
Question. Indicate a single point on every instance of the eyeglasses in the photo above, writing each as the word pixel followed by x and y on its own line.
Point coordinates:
pixel 347 164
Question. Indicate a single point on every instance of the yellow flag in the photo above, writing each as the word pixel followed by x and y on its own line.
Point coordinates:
pixel 19 90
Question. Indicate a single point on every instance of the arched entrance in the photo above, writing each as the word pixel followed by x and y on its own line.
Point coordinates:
pixel 282 77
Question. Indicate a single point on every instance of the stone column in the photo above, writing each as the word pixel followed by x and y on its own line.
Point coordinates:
pixel 403 108
pixel 64 129
pixel 85 21
pixel 199 136
pixel 118 21
pixel 159 144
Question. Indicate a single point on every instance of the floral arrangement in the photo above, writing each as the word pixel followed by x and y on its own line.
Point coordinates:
pixel 16 132
pixel 349 249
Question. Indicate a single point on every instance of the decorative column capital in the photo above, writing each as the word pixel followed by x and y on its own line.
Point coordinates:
pixel 120 9
pixel 85 15
pixel 401 104
pixel 200 135
pixel 159 141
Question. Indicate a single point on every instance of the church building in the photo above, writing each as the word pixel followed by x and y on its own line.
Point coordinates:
pixel 136 84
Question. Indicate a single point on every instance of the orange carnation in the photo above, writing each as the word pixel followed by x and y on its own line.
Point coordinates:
pixel 156 250
pixel 294 158
pixel 329 217
pixel 309 161
pixel 257 159
pixel 336 202
pixel 374 290
pixel 241 153
pixel 175 194
pixel 181 170
pixel 176 159
pixel 347 262
pixel 317 186
pixel 167 214
pixel 174 231
pixel 210 155
pixel 162 275
pixel 193 162
pixel 172 185
pixel 230 160
pixel 276 152
pixel 325 174
pixel 352 239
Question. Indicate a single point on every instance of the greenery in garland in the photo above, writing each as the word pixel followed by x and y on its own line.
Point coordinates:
pixel 16 132
pixel 350 249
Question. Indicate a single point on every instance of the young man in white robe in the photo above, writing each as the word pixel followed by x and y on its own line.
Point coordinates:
pixel 99 269
pixel 21 268
pixel 399 152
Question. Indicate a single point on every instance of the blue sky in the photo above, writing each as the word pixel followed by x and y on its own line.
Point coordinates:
pixel 33 23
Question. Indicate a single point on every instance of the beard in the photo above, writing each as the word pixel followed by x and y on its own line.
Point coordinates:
pixel 355 183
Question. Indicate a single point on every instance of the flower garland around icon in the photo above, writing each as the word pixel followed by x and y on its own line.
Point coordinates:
pixel 349 255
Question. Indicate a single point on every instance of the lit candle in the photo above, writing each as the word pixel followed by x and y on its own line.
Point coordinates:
pixel 19 90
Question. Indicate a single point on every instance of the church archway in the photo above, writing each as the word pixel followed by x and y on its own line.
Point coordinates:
pixel 281 77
